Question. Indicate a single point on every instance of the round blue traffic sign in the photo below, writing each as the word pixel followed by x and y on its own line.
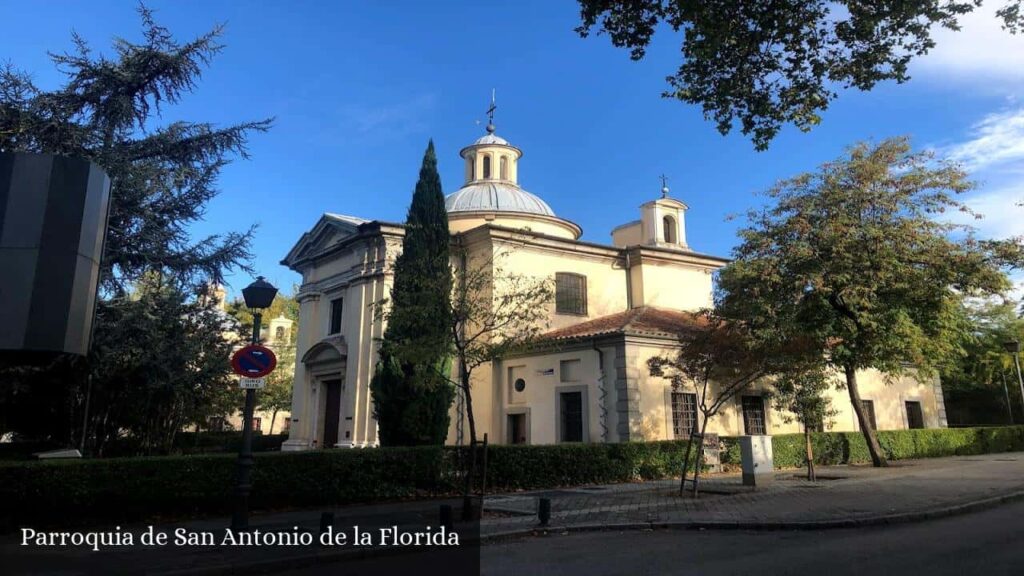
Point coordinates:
pixel 253 361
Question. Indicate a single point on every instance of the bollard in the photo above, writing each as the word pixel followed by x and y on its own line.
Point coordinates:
pixel 446 516
pixel 326 521
pixel 544 511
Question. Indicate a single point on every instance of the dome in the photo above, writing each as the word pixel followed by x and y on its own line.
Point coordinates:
pixel 484 196
pixel 491 139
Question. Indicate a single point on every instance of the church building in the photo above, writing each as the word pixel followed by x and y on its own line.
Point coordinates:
pixel 616 305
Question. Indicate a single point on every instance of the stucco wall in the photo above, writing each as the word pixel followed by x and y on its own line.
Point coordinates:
pixel 673 286
pixel 888 398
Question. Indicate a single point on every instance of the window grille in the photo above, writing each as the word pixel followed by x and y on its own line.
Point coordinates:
pixel 570 293
pixel 753 416
pixel 684 414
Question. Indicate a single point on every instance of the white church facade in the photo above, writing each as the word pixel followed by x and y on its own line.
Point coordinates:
pixel 616 305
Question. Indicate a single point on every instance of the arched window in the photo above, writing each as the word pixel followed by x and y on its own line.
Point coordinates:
pixel 279 334
pixel 503 168
pixel 487 166
pixel 670 229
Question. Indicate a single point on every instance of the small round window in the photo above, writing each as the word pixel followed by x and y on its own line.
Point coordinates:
pixel 520 384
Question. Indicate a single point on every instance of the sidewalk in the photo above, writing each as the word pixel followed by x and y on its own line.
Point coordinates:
pixel 845 496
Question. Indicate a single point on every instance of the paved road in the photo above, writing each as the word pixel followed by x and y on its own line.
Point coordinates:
pixel 987 542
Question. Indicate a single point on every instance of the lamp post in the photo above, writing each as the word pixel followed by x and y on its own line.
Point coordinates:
pixel 258 296
pixel 1013 347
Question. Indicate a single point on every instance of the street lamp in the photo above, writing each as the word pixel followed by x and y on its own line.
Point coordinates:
pixel 258 296
pixel 1013 347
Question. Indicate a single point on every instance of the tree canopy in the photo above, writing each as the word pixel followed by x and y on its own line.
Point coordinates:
pixel 162 174
pixel 981 386
pixel 411 397
pixel 768 64
pixel 860 260
pixel 109 110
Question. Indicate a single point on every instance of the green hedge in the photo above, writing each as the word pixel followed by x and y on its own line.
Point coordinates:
pixel 532 467
pixel 184 443
pixel 850 447
pixel 133 488
pixel 124 489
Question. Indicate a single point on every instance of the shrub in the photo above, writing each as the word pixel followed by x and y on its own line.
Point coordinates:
pixel 832 448
pixel 124 489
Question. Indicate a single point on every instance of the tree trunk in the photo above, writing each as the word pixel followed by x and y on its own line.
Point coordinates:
pixel 870 437
pixel 686 462
pixel 273 417
pixel 698 461
pixel 810 454
pixel 468 512
pixel 469 403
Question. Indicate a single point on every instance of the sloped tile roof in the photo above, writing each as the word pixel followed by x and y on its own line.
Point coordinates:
pixel 642 321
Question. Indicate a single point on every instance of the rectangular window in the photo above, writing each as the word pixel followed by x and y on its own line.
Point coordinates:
pixel 753 416
pixel 336 307
pixel 257 423
pixel 915 419
pixel 569 370
pixel 572 416
pixel 869 413
pixel 684 414
pixel 570 293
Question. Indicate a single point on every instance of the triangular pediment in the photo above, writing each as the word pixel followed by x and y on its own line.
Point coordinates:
pixel 330 230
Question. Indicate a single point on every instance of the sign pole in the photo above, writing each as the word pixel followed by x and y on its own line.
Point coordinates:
pixel 240 518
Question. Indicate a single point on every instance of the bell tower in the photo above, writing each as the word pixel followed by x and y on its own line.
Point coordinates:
pixel 491 158
pixel 662 223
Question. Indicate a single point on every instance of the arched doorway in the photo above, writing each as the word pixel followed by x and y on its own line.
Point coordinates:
pixel 325 364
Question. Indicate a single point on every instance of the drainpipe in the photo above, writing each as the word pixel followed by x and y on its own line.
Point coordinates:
pixel 629 283
pixel 602 407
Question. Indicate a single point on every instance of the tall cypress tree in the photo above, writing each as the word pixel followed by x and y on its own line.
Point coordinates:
pixel 411 397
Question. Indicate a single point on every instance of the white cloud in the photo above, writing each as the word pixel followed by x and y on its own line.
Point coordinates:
pixel 997 140
pixel 390 120
pixel 1003 215
pixel 980 51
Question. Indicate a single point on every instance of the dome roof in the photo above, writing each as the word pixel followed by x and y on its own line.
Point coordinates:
pixel 490 139
pixel 483 196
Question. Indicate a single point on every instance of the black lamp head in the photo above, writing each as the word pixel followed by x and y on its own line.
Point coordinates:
pixel 1012 346
pixel 260 294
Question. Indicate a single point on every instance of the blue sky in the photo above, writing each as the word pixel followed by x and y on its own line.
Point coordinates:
pixel 357 89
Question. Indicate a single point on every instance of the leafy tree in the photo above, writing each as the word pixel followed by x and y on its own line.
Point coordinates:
pixel 766 64
pixel 411 397
pixel 717 360
pixel 802 391
pixel 857 261
pixel 283 305
pixel 162 365
pixel 981 386
pixel 277 395
pixel 162 175
pixel 158 367
pixel 493 314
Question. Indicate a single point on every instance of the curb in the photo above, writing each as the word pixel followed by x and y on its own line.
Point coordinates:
pixel 327 557
pixel 884 520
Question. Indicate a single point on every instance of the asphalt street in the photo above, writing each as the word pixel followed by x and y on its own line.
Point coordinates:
pixel 990 542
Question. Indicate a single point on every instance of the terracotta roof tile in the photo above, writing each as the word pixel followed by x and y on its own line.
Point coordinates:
pixel 642 321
